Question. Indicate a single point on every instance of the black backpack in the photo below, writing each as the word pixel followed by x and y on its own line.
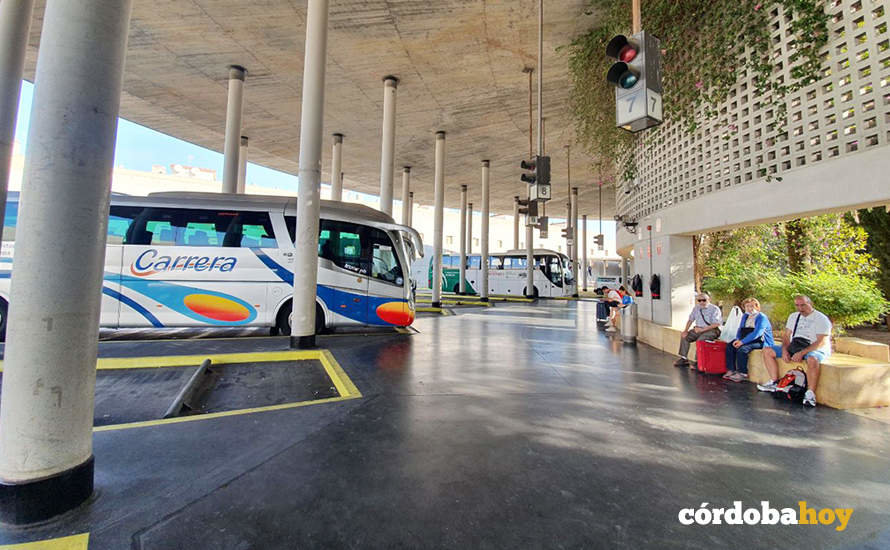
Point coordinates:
pixel 792 386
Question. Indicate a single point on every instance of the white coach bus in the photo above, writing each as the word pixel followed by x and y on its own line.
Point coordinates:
pixel 181 259
pixel 506 273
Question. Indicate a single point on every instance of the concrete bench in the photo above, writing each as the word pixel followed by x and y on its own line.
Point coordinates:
pixel 845 381
pixel 857 375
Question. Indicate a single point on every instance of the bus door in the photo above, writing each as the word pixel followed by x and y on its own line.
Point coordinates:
pixel 343 270
pixel 387 300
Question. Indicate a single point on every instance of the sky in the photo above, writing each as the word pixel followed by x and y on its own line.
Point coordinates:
pixel 139 148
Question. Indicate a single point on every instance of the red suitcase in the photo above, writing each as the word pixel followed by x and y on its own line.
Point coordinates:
pixel 711 356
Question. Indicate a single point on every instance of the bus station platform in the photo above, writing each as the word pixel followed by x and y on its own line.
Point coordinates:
pixel 514 426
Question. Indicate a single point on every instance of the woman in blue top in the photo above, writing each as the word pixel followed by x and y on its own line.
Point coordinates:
pixel 755 332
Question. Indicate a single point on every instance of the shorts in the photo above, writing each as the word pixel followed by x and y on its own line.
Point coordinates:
pixel 818 354
pixel 613 304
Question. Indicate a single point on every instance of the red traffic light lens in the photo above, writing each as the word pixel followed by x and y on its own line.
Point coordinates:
pixel 627 53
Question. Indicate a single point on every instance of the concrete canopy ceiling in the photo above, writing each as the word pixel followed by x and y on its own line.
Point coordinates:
pixel 459 62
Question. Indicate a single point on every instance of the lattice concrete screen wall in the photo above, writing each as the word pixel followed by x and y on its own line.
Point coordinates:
pixel 846 112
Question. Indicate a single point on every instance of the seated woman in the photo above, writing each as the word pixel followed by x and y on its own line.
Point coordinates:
pixel 755 332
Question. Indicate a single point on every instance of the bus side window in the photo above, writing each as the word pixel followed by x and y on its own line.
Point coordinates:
pixel 12 210
pixel 475 262
pixel 255 231
pixel 342 243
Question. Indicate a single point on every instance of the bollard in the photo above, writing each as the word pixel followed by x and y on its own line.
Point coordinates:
pixel 629 324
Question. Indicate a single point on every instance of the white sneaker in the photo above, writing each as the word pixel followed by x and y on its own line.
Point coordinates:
pixel 769 386
pixel 809 398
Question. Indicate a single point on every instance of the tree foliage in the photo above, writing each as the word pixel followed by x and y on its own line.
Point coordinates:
pixel 876 223
pixel 705 46
pixel 823 257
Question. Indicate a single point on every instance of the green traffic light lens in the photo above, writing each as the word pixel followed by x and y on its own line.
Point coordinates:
pixel 628 80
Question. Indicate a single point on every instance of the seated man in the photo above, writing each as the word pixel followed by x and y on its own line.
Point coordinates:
pixel 707 319
pixel 613 301
pixel 807 338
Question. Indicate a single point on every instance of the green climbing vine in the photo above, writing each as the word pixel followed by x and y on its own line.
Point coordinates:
pixel 706 44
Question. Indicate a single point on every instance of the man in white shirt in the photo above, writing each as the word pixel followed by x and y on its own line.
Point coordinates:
pixel 613 300
pixel 707 319
pixel 808 335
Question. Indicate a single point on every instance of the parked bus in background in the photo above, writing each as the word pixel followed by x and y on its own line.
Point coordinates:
pixel 223 260
pixel 506 273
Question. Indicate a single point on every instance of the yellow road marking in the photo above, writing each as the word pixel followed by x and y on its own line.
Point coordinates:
pixel 335 372
pixel 74 542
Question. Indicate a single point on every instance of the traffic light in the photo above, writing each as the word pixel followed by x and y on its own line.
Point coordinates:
pixel 636 75
pixel 537 176
pixel 567 232
pixel 599 239
pixel 530 209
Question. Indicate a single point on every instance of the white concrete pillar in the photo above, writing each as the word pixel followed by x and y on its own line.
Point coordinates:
pixel 46 409
pixel 242 166
pixel 15 25
pixel 516 223
pixel 530 259
pixel 388 147
pixel 234 109
pixel 575 239
pixel 438 218
pixel 584 251
pixel 406 192
pixel 469 229
pixel 462 283
pixel 309 191
pixel 623 271
pixel 483 292
pixel 410 209
pixel 569 230
pixel 337 169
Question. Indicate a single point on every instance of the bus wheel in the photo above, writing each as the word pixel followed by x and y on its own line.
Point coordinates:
pixel 283 324
pixel 456 288
pixel 534 292
pixel 4 314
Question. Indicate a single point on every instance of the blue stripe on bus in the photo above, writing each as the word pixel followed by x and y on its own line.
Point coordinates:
pixel 133 304
pixel 282 272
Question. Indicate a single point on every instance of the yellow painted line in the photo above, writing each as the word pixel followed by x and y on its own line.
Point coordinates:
pixel 344 385
pixel 209 416
pixel 115 363
pixel 74 542
pixel 335 372
pixel 429 309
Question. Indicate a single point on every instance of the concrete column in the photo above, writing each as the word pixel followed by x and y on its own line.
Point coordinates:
pixel 469 229
pixel 483 291
pixel 569 243
pixel 388 148
pixel 462 284
pixel 530 261
pixel 584 250
pixel 309 191
pixel 516 223
pixel 337 169
pixel 46 407
pixel 242 166
pixel 623 265
pixel 233 128
pixel 406 192
pixel 575 239
pixel 439 208
pixel 15 25
pixel 410 209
